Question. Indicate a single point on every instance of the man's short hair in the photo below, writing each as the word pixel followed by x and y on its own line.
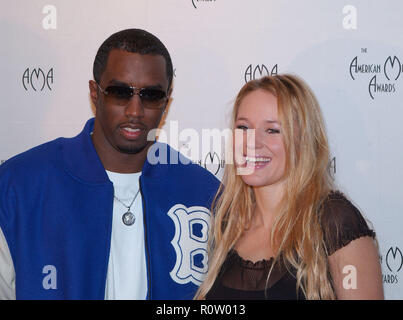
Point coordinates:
pixel 135 41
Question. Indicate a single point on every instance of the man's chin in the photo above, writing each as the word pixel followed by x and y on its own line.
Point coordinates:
pixel 132 149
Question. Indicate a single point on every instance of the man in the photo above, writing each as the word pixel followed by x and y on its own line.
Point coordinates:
pixel 94 217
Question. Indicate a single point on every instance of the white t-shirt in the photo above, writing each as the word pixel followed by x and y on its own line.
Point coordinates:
pixel 127 271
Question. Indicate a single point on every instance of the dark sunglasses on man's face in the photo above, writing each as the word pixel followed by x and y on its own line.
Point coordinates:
pixel 120 95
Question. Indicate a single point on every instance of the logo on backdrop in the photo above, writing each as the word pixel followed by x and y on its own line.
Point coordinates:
pixel 394 259
pixel 190 243
pixel 37 79
pixel 332 167
pixel 255 72
pixel 382 76
pixel 212 162
pixel 393 262
pixel 197 3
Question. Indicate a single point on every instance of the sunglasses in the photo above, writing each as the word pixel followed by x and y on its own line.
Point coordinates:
pixel 120 95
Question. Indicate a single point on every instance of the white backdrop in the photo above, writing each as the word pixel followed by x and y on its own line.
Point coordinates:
pixel 349 52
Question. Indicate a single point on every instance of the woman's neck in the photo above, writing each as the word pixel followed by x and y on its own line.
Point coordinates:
pixel 268 200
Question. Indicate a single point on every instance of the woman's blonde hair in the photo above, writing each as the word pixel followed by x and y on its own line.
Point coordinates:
pixel 296 238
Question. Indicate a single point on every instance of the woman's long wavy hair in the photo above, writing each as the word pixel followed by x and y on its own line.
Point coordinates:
pixel 296 237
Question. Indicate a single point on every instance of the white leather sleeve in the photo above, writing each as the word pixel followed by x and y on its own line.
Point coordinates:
pixel 7 273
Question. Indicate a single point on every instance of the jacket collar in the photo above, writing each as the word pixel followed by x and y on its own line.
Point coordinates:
pixel 82 161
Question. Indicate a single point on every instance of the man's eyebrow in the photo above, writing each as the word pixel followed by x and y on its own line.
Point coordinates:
pixel 118 82
pixel 154 86
pixel 122 83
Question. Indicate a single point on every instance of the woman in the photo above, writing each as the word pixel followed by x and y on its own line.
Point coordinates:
pixel 280 230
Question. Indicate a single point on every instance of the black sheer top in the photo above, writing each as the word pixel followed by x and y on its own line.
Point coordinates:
pixel 242 279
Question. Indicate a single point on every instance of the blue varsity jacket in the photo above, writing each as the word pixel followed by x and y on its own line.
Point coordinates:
pixel 56 205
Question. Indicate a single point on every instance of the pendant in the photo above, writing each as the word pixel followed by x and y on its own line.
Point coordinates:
pixel 128 218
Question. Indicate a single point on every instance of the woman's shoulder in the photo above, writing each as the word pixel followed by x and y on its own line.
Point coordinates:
pixel 342 222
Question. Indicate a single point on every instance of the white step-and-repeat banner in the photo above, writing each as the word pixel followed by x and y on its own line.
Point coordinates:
pixel 350 52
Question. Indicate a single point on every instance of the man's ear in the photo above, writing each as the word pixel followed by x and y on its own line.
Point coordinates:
pixel 168 101
pixel 93 91
pixel 169 92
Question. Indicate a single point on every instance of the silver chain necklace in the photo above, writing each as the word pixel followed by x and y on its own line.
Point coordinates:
pixel 128 218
